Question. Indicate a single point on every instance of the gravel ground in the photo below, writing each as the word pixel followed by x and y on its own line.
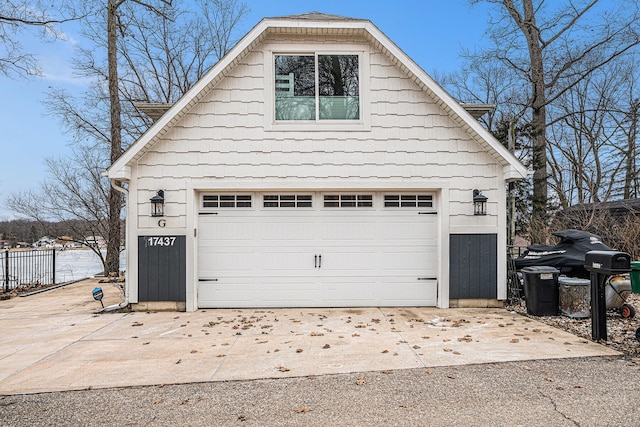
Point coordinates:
pixel 567 392
pixel 621 332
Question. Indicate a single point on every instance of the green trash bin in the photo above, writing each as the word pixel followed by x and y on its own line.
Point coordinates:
pixel 635 277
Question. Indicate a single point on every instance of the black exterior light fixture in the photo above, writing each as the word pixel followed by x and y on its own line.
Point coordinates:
pixel 157 204
pixel 479 203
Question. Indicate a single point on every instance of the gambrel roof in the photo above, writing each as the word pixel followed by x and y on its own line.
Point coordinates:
pixel 312 24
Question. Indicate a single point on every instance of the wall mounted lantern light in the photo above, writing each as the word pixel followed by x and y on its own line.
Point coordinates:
pixel 157 204
pixel 479 203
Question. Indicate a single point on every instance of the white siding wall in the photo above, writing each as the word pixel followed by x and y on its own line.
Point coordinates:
pixel 410 137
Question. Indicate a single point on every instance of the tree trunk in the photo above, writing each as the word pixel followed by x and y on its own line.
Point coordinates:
pixel 630 171
pixel 115 200
pixel 527 24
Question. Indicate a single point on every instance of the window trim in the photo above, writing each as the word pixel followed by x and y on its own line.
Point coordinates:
pixel 203 207
pixel 362 124
pixel 400 195
pixel 296 201
pixel 361 200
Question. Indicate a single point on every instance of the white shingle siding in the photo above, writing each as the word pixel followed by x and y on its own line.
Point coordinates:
pixel 223 136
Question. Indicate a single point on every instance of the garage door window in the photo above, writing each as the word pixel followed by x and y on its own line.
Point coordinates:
pixel 348 200
pixel 226 201
pixel 287 201
pixel 408 201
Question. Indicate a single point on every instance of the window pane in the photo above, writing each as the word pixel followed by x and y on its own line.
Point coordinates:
pixel 295 87
pixel 338 87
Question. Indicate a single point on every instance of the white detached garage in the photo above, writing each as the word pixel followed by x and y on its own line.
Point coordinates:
pixel 315 165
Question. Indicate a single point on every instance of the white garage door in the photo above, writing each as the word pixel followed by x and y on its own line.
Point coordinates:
pixel 317 250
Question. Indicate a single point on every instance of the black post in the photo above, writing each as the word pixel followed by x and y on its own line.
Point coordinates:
pixel 54 267
pixel 600 265
pixel 6 270
pixel 598 307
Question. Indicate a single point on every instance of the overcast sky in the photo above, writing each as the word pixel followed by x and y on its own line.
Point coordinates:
pixel 431 32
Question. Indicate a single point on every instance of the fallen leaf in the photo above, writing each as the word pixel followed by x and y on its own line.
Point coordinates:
pixel 282 369
pixel 416 346
pixel 447 349
pixel 326 346
pixel 385 351
pixel 515 340
pixel 456 352
pixel 194 351
pixel 137 324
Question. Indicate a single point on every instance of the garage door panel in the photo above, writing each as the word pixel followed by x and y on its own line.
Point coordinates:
pixel 298 292
pixel 267 292
pixel 286 229
pixel 255 263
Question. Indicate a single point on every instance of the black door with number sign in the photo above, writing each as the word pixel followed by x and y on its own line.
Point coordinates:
pixel 162 268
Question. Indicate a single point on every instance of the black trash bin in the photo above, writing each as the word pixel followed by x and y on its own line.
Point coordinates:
pixel 541 290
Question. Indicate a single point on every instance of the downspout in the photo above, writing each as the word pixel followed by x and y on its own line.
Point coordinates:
pixel 125 303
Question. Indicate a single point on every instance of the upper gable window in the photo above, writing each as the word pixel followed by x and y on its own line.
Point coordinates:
pixel 317 87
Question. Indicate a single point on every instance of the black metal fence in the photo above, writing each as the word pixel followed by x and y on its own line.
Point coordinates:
pixel 27 268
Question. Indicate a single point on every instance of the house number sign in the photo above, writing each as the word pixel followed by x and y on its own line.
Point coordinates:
pixel 160 240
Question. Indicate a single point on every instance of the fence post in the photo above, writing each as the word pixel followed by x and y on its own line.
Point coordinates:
pixel 54 266
pixel 6 270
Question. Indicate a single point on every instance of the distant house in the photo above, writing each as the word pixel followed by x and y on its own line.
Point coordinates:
pixel 316 165
pixel 95 241
pixel 67 242
pixel 45 242
pixel 616 208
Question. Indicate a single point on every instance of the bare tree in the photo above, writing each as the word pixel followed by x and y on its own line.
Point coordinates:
pixel 553 46
pixel 152 51
pixel 73 196
pixel 18 18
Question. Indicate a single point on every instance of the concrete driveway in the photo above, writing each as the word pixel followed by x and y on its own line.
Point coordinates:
pixel 55 341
